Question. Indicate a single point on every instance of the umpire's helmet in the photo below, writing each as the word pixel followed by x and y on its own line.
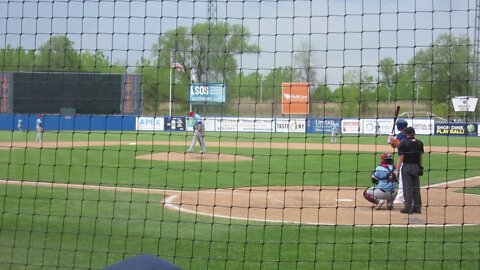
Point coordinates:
pixel 401 124
pixel 410 131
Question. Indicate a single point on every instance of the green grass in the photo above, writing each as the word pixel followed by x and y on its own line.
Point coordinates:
pixel 63 229
pixel 57 228
pixel 452 141
pixel 117 166
pixel 472 190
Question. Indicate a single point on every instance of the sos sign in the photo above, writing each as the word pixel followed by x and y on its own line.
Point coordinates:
pixel 207 93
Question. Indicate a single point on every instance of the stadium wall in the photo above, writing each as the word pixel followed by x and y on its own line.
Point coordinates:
pixel 225 124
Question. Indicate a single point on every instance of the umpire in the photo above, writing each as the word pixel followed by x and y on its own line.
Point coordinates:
pixel 410 153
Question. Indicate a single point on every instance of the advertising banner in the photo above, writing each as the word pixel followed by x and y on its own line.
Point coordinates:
pixel 150 123
pixel 384 126
pixel 464 104
pixel 174 124
pixel 422 126
pixel 377 126
pixel 353 126
pixel 207 93
pixel 460 129
pixel 321 125
pixel 291 125
pixel 295 98
pixel 245 124
pixel 208 123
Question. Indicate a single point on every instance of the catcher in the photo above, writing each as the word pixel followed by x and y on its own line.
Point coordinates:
pixel 385 179
pixel 198 133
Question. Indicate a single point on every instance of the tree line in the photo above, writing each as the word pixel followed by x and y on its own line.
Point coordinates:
pixel 209 52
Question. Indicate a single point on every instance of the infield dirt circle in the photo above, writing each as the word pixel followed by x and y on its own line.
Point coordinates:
pixel 444 204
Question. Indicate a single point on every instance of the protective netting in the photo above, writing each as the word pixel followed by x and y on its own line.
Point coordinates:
pixel 239 134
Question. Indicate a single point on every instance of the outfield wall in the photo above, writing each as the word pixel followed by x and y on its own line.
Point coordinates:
pixel 381 126
pixel 78 122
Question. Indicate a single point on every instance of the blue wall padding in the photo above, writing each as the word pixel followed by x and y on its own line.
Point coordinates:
pixel 77 122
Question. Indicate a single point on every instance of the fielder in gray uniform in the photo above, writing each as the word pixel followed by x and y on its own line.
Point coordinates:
pixel 198 133
pixel 385 179
pixel 39 128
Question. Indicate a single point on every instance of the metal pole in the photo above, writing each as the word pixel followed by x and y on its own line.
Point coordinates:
pixel 476 51
pixel 416 88
pixel 261 90
pixel 170 83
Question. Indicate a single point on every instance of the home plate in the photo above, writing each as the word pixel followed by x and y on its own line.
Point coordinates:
pixel 344 200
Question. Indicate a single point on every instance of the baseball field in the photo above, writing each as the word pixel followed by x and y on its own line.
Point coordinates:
pixel 86 200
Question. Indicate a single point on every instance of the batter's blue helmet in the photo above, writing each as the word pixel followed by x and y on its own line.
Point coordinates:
pixel 401 124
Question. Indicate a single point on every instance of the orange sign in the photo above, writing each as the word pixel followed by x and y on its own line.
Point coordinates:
pixel 295 98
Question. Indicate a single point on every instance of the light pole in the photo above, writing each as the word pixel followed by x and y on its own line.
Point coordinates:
pixel 170 86
pixel 415 86
pixel 261 90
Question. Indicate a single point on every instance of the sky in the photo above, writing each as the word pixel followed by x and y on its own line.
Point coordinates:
pixel 342 34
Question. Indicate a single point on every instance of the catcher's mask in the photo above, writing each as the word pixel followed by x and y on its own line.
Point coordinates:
pixel 386 158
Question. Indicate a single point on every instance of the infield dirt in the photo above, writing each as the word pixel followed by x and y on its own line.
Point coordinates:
pixel 444 204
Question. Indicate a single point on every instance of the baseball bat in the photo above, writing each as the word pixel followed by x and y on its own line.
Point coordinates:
pixel 397 111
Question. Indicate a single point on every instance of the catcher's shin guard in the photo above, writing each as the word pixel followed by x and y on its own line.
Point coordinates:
pixel 369 197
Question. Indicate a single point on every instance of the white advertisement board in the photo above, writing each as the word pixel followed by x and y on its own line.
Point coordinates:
pixel 384 126
pixel 208 123
pixel 290 125
pixel 351 126
pixel 422 126
pixel 245 124
pixel 150 123
pixel 464 104
pixel 377 126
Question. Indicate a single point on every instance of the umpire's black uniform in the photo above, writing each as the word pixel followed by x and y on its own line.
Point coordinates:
pixel 410 153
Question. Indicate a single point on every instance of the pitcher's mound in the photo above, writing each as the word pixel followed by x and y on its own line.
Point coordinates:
pixel 205 157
